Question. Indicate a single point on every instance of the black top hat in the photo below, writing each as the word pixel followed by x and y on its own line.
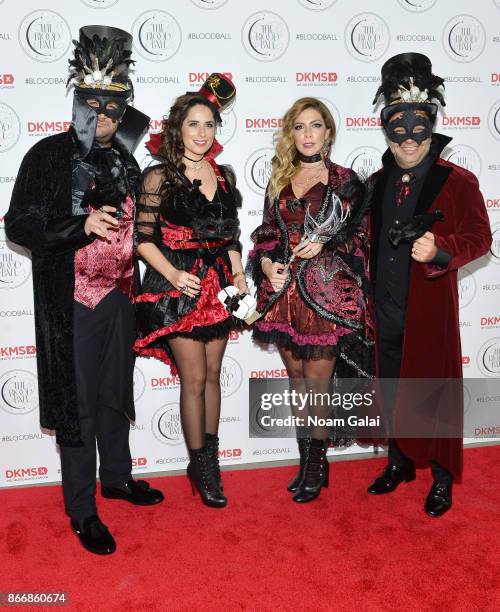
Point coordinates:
pixel 408 78
pixel 102 61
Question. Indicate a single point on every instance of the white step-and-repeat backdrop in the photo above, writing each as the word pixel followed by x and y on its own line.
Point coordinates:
pixel 276 51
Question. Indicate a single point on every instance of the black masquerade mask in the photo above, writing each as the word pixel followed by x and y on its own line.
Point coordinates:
pixel 409 85
pixel 84 120
pixel 111 105
pixel 416 127
pixel 99 71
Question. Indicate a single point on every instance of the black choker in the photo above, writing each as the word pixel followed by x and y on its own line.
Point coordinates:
pixel 310 159
pixel 195 161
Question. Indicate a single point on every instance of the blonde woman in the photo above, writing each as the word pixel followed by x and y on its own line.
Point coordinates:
pixel 312 295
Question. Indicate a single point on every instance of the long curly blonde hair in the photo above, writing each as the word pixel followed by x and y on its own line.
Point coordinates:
pixel 286 163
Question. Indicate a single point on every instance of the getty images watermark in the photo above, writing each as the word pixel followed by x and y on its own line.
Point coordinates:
pixel 284 408
pixel 363 409
pixel 308 405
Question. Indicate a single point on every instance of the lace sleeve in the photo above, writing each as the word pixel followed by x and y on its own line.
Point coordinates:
pixel 230 177
pixel 266 242
pixel 148 206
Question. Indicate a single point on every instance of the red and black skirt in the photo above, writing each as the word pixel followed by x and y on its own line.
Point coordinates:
pixel 163 312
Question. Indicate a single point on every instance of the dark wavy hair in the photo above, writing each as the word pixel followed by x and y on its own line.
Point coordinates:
pixel 172 146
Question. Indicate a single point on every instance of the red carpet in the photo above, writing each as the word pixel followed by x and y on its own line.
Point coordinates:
pixel 346 551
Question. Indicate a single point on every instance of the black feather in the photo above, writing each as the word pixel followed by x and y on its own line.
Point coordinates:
pixel 399 69
pixel 105 50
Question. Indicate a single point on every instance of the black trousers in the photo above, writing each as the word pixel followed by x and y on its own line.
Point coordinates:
pixel 390 321
pixel 103 340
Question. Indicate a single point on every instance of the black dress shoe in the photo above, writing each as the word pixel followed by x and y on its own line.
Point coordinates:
pixel 94 535
pixel 134 491
pixel 438 500
pixel 391 477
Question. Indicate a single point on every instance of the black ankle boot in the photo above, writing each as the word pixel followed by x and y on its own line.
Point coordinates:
pixel 316 472
pixel 202 476
pixel 212 445
pixel 303 444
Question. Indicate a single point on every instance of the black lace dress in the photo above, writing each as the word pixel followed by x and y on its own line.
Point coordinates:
pixel 195 235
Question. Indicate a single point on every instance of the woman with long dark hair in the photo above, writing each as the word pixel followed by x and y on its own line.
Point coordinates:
pixel 188 237
pixel 312 294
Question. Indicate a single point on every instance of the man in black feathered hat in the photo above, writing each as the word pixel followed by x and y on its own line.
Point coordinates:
pixel 428 218
pixel 73 206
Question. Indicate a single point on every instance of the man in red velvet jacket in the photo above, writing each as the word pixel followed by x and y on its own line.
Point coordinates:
pixel 415 283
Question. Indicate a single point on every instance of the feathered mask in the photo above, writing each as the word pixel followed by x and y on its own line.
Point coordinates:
pixel 99 72
pixel 102 61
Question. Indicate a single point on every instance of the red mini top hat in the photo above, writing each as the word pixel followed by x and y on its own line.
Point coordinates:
pixel 218 89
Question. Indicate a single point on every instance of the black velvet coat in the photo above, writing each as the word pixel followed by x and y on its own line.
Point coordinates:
pixel 40 218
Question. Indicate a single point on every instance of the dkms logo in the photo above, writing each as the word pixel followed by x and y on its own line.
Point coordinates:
pixel 100 4
pixel 466 287
pixel 44 36
pixel 367 37
pixel 417 6
pixel 10 127
pixel 494 120
pixel 258 170
pixel 209 4
pixel 464 156
pixel 15 265
pixel 265 36
pixel 317 5
pixel 364 161
pixel 18 392
pixel 228 128
pixel 157 35
pixel 464 38
pixel 166 425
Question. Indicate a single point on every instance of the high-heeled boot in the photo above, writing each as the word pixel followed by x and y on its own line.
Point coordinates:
pixel 202 477
pixel 316 472
pixel 212 445
pixel 303 444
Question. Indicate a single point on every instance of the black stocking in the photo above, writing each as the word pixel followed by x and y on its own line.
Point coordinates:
pixel 295 370
pixel 214 351
pixel 318 374
pixel 190 360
